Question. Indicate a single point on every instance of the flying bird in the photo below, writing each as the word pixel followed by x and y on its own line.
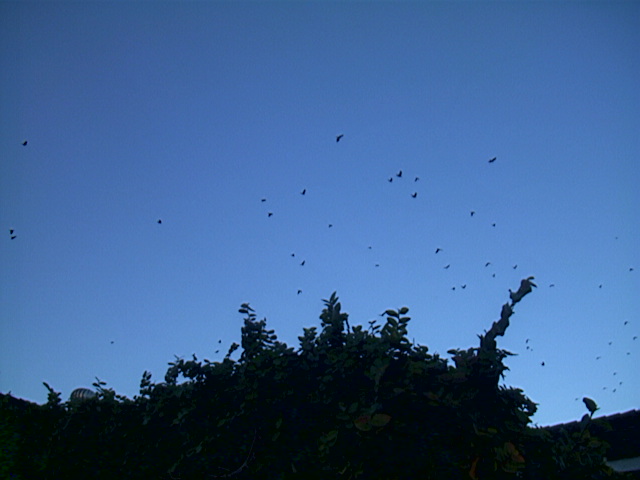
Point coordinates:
pixel 303 262
pixel 463 286
pixel 13 237
pixel 339 137
pixel 377 265
pixel 515 266
pixel 414 195
pixel 493 224
pixel 390 179
pixel 438 250
pixel 269 214
pixel 416 179
pixel 219 341
pixel 330 225
pixel 159 221
pixel 11 231
pixel 263 199
pixel 491 160
pixel 24 144
pixel 303 191
pixel 473 213
pixel 447 266
pixel 111 342
pixel 542 364
pixel 299 291
pixel 399 174
pixel 487 264
pixel 552 285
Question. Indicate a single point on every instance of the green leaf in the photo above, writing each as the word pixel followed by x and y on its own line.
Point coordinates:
pixel 403 310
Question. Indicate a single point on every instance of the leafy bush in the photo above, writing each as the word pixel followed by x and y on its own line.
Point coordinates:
pixel 350 403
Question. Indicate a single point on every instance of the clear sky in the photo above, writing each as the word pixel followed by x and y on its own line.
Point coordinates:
pixel 193 112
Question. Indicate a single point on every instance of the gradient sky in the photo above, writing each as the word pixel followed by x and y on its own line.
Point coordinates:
pixel 193 112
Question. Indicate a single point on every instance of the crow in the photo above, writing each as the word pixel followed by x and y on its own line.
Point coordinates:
pixel 473 213
pixel 493 159
pixel 159 221
pixel 269 214
pixel 487 264
pixel 303 262
pixel 299 291
pixel 447 266
pixel 414 195
pixel 11 231
pixel 515 266
pixel 399 174
pixel 13 237
pixel 416 179
pixel 263 200
pixel 330 225
pixel 303 191
pixel 377 265
pixel 24 144
pixel 219 341
pixel 438 250
pixel 463 286
pixel 542 364
pixel 493 224
pixel 339 137
pixel 390 179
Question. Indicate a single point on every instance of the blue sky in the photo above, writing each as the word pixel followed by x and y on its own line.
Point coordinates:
pixel 193 112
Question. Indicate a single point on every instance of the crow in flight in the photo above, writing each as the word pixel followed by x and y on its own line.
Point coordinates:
pixel 13 237
pixel 303 191
pixel 493 224
pixel 11 231
pixel 399 174
pixel 303 262
pixel 438 250
pixel 299 291
pixel 390 179
pixel 493 159
pixel 414 195
pixel 159 221
pixel 447 266
pixel 269 214
pixel 339 137
pixel 330 225
pixel 263 200
pixel 24 144
pixel 463 286
pixel 515 266
pixel 473 213
pixel 416 179
pixel 487 264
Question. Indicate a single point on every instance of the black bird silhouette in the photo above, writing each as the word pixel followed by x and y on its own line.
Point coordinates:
pixel 303 262
pixel 493 224
pixel 542 364
pixel 303 191
pixel 552 285
pixel 369 247
pixel 269 214
pixel 438 250
pixel 11 231
pixel 299 291
pixel 631 269
pixel 487 264
pixel 219 341
pixel 159 221
pixel 13 237
pixel 491 160
pixel 414 195
pixel 263 199
pixel 111 342
pixel 626 322
pixel 377 265
pixel 339 137
pixel 463 286
pixel 390 179
pixel 416 179
pixel 473 213
pixel 330 225
pixel 399 174
pixel 293 254
pixel 447 266
pixel 515 266
pixel 24 144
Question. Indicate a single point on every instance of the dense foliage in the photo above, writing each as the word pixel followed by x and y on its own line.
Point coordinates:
pixel 349 403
